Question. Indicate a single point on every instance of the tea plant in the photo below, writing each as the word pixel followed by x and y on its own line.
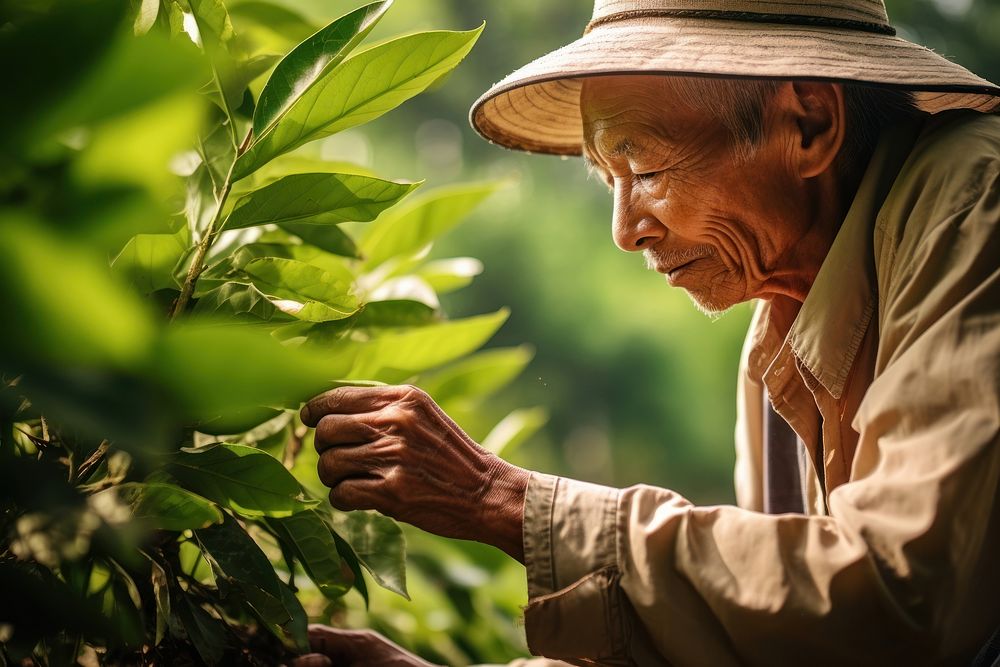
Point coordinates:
pixel 175 279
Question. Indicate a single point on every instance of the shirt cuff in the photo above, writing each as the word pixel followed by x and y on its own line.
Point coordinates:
pixel 570 553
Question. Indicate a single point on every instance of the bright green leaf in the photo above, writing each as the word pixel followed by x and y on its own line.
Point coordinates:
pixel 215 29
pixel 168 507
pixel 514 429
pixel 477 376
pixel 448 275
pixel 379 545
pixel 419 349
pixel 242 301
pixel 245 479
pixel 359 90
pixel 313 543
pixel 145 16
pixel 419 221
pixel 302 290
pixel 311 60
pixel 317 199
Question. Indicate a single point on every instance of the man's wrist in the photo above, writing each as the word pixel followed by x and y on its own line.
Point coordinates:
pixel 502 511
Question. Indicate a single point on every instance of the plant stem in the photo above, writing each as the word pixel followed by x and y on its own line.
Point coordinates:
pixel 211 234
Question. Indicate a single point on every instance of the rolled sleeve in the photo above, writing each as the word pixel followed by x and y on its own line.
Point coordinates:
pixel 578 611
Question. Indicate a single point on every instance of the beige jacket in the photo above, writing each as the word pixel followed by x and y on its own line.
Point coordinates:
pixel 890 376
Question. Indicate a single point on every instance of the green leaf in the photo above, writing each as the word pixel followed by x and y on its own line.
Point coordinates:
pixel 330 238
pixel 302 290
pixel 242 563
pixel 207 370
pixel 67 308
pixel 419 221
pixel 448 275
pixel 145 16
pixel 274 18
pixel 318 199
pixel 359 90
pixel 395 313
pixel 311 60
pixel 239 562
pixel 206 633
pixel 148 260
pixel 239 300
pixel 313 544
pixel 161 595
pixel 167 507
pixel 477 376
pixel 391 353
pixel 296 630
pixel 514 429
pixel 348 556
pixel 214 25
pixel 77 34
pixel 247 480
pixel 379 545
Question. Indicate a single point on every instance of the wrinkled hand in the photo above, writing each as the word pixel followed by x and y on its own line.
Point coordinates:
pixel 392 449
pixel 346 648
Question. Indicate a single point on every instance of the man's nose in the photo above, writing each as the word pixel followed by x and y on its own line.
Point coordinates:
pixel 633 225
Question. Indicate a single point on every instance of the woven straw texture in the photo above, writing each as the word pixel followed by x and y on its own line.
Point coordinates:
pixel 537 107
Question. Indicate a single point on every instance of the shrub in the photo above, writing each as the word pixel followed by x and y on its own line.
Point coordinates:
pixel 175 279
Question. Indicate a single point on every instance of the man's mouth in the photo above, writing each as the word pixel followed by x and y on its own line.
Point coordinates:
pixel 675 267
pixel 674 274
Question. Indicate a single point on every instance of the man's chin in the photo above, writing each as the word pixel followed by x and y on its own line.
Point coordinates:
pixel 711 307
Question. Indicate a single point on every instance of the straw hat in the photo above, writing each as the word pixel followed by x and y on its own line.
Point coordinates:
pixel 537 108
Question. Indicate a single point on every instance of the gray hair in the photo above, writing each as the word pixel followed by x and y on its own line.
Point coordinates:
pixel 739 105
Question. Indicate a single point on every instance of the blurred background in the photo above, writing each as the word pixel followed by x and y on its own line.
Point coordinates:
pixel 639 386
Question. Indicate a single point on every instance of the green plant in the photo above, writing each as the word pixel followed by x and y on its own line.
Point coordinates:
pixel 160 501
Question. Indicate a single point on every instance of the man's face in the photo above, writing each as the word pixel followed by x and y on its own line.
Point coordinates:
pixel 723 228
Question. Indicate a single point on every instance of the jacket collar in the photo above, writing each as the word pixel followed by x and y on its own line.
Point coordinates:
pixel 832 322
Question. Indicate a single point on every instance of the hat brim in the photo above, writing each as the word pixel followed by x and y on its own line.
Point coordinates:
pixel 537 108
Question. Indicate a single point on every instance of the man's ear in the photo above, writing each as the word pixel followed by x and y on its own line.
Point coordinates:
pixel 817 111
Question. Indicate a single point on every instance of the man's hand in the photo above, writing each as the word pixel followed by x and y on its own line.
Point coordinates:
pixel 394 450
pixel 346 648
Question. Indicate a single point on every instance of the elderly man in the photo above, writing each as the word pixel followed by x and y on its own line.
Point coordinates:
pixel 850 182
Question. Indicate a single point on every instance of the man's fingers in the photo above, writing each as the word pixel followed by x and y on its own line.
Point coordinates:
pixel 312 660
pixel 357 493
pixel 350 400
pixel 343 647
pixel 338 464
pixel 338 429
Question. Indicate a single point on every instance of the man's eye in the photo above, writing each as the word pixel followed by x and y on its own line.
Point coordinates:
pixel 648 175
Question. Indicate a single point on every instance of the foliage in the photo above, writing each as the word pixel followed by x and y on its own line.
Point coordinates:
pixel 176 279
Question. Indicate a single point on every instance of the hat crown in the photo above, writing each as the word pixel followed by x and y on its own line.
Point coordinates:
pixel 859 11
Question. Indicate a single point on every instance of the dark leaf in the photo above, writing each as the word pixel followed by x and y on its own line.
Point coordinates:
pixel 247 480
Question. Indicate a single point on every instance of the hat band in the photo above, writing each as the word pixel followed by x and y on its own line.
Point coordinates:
pixel 752 17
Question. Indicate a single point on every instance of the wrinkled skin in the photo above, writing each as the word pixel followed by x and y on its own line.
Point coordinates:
pixel 740 228
pixel 723 229
pixel 354 648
